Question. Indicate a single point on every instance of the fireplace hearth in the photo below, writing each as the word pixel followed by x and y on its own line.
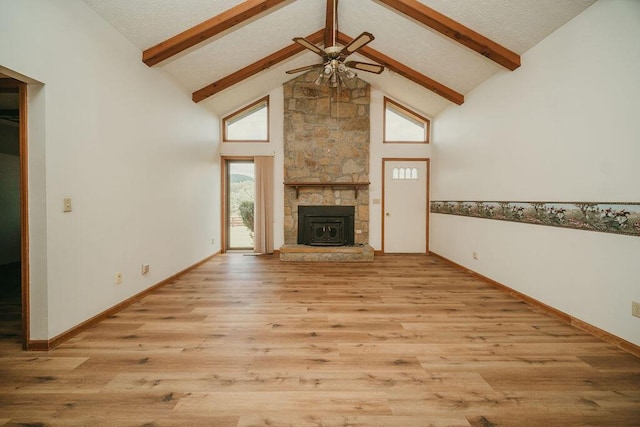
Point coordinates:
pixel 326 225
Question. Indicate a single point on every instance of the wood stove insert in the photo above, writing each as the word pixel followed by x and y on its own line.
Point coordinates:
pixel 326 225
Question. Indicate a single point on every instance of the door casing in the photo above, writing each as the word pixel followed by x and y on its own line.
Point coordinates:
pixel 224 194
pixel 21 88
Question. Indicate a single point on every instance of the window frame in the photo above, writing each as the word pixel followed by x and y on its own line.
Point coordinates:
pixel 244 112
pixel 410 115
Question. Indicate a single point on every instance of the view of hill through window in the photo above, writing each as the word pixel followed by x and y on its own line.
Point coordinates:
pixel 241 204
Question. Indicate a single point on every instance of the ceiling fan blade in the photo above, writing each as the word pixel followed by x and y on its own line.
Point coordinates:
pixel 365 66
pixel 305 68
pixel 362 40
pixel 306 43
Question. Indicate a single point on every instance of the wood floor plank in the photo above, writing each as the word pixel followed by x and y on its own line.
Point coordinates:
pixel 323 419
pixel 405 340
pixel 283 402
pixel 395 383
pixel 239 381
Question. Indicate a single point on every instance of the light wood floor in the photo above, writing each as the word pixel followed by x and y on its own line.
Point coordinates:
pixel 251 341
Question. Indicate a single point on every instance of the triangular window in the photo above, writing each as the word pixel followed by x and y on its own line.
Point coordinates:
pixel 249 124
pixel 404 125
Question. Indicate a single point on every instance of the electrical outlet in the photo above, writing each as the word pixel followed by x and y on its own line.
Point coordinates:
pixel 635 308
pixel 118 278
pixel 213 240
pixel 145 268
pixel 475 255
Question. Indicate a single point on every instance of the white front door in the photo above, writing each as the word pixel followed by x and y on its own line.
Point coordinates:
pixel 405 206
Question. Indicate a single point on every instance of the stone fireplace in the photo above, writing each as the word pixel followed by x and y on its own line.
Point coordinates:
pixel 326 163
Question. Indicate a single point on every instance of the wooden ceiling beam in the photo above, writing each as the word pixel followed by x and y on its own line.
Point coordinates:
pixel 330 27
pixel 255 68
pixel 456 31
pixel 406 72
pixel 207 29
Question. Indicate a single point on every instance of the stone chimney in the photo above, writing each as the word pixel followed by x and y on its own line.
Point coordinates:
pixel 326 140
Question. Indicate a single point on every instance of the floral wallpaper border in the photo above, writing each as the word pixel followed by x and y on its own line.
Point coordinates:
pixel 618 218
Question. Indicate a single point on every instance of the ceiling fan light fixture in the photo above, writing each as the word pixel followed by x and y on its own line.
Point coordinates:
pixel 333 67
pixel 344 82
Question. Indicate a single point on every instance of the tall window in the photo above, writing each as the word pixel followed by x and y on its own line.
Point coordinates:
pixel 249 124
pixel 404 125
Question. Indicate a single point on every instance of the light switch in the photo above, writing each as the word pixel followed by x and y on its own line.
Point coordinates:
pixel 376 201
pixel 67 204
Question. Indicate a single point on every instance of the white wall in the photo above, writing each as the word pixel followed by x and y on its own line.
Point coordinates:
pixel 275 147
pixel 563 127
pixel 378 151
pixel 135 154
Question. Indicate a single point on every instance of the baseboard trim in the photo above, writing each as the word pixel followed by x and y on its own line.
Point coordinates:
pixel 46 345
pixel 567 318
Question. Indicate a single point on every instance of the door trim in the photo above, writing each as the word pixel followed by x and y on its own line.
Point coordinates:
pixel 24 215
pixel 405 159
pixel 12 83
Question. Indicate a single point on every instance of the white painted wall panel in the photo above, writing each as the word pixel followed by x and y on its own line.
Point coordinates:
pixel 136 155
pixel 563 127
pixel 380 150
pixel 275 148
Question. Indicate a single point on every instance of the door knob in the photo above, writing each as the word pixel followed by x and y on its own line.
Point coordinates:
pixel 388 213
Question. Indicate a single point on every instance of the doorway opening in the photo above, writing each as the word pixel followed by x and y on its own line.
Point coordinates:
pixel 14 268
pixel 239 204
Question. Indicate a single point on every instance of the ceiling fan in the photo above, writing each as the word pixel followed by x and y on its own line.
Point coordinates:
pixel 334 67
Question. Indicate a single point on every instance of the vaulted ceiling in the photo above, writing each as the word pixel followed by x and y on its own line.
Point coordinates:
pixel 230 52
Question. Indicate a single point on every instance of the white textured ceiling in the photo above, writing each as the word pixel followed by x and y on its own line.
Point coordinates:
pixel 515 24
